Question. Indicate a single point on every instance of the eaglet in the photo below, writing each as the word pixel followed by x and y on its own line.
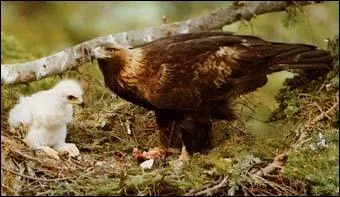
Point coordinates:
pixel 46 114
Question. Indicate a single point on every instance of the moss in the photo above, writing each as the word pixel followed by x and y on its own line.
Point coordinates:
pixel 320 167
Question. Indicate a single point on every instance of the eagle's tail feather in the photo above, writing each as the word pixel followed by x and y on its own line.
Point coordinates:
pixel 300 57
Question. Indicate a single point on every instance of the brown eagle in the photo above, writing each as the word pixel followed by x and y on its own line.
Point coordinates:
pixel 190 79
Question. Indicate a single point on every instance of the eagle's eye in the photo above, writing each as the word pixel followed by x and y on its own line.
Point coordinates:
pixel 111 49
pixel 70 97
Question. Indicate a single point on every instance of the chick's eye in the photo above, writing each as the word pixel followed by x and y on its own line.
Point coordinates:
pixel 70 97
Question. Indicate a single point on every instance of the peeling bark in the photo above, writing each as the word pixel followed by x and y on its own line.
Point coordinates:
pixel 81 53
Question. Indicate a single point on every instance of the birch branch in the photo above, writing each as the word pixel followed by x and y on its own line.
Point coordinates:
pixel 74 56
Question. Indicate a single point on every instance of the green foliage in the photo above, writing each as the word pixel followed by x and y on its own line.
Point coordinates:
pixel 99 187
pixel 291 17
pixel 109 187
pixel 239 174
pixel 320 167
pixel 12 51
pixel 333 47
pixel 316 163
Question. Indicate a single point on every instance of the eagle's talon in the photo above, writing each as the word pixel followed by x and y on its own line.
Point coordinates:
pixel 185 156
pixel 178 164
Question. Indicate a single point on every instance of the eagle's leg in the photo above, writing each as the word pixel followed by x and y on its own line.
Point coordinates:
pixel 189 130
pixel 195 128
pixel 167 122
pixel 196 131
pixel 221 110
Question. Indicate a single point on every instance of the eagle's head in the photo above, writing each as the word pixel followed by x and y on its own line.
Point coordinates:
pixel 109 50
pixel 70 92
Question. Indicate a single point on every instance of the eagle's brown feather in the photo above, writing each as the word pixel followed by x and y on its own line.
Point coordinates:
pixel 189 79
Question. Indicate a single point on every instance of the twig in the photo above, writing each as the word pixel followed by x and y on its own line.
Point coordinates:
pixel 243 133
pixel 322 112
pixel 302 139
pixel 274 185
pixel 278 162
pixel 128 126
pixel 164 19
pixel 34 178
pixel 24 155
pixel 325 114
pixel 8 188
pixel 171 132
pixel 210 190
pixel 44 193
pixel 321 87
pixel 193 191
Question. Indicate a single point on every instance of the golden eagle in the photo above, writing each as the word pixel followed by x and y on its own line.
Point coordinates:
pixel 190 79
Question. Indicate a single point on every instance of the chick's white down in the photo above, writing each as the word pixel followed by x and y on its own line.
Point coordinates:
pixel 46 115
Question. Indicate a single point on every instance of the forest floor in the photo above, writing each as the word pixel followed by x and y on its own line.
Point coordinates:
pixel 301 159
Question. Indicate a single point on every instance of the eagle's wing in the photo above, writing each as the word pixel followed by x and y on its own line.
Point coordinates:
pixel 195 68
pixel 190 70
pixel 21 113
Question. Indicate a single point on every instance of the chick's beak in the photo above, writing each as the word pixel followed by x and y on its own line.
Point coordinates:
pixel 80 102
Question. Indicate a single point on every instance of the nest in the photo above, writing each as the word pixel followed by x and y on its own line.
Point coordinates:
pixel 102 139
pixel 106 134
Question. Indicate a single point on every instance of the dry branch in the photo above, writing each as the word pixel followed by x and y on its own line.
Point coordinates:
pixel 36 178
pixel 278 163
pixel 325 114
pixel 81 53
pixel 210 190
